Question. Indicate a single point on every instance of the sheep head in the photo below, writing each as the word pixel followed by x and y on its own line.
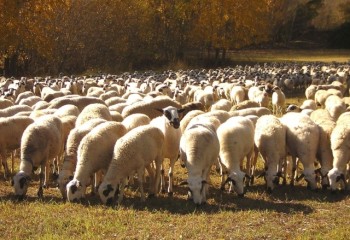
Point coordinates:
pixel 20 183
pixel 75 191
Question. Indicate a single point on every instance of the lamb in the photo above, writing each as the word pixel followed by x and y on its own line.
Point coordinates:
pixel 340 139
pixel 92 159
pixel 270 139
pixel 135 120
pixel 233 150
pixel 70 156
pixel 335 106
pixel 169 124
pixel 80 102
pixel 278 100
pixel 133 152
pixel 324 152
pixel 302 142
pixel 10 111
pixel 91 111
pixel 11 129
pixel 150 108
pixel 258 111
pixel 198 157
pixel 41 141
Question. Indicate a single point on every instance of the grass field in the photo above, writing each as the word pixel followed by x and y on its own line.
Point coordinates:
pixel 288 213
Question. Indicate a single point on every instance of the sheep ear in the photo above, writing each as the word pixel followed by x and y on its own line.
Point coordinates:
pixel 340 177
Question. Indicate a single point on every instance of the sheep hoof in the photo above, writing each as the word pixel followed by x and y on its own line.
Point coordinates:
pixel 241 195
pixel 151 195
pixel 40 193
pixel 252 180
pixel 170 194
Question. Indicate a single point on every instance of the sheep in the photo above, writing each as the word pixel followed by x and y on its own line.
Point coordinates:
pixel 91 111
pixel 118 107
pixel 48 94
pixel 310 92
pixel 302 142
pixel 80 102
pixel 270 139
pixel 116 116
pixel 188 107
pixel 11 129
pixel 207 99
pixel 114 100
pixel 70 155
pixel 198 157
pixel 321 96
pixel 92 159
pixel 278 100
pixel 233 150
pixel 237 95
pixel 186 120
pixel 12 110
pixel 245 104
pixel 30 101
pixel 222 104
pixel 308 104
pixel 108 95
pixel 67 110
pixel 133 152
pixel 39 113
pixel 135 120
pixel 41 141
pixel 169 124
pixel 335 106
pixel 150 108
pixel 220 115
pixel 41 105
pixel 340 139
pixel 5 103
pixel 324 152
pixel 258 111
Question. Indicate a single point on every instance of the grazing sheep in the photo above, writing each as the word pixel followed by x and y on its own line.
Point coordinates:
pixel 321 96
pixel 233 150
pixel 135 120
pixel 41 142
pixel 340 139
pixel 11 129
pixel 133 152
pixel 198 157
pixel 70 156
pixel 91 111
pixel 302 142
pixel 150 108
pixel 324 152
pixel 12 110
pixel 278 100
pixel 335 106
pixel 270 139
pixel 169 124
pixel 91 158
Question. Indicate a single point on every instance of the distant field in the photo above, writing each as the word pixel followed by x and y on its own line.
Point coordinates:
pixel 290 55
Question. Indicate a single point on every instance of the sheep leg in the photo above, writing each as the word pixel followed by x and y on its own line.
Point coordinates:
pixel 171 176
pixel 4 164
pixel 140 173
pixel 151 181
pixel 97 181
pixel 162 179
pixel 42 179
pixel 121 191
pixel 294 170
pixel 158 163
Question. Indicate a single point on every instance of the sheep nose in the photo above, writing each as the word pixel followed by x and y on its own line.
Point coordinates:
pixel 176 123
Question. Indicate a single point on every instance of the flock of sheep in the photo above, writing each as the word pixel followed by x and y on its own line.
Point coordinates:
pixel 105 131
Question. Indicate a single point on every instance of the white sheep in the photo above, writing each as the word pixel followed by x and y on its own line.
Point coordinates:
pixel 324 152
pixel 40 143
pixel 135 120
pixel 270 139
pixel 94 110
pixel 340 139
pixel 221 104
pixel 23 95
pixel 335 106
pixel 237 95
pixel 134 152
pixel 169 124
pixel 302 143
pixel 189 116
pixel 198 157
pixel 5 103
pixel 258 111
pixel 70 156
pixel 278 100
pixel 11 129
pixel 236 137
pixel 91 158
pixel 67 110
pixel 79 101
pixel 12 110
